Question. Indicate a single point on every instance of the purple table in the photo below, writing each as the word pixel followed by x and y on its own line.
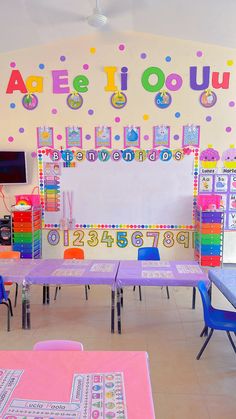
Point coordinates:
pixel 74 272
pixel 225 280
pixel 157 273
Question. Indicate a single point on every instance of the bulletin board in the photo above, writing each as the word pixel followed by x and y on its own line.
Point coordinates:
pixel 117 194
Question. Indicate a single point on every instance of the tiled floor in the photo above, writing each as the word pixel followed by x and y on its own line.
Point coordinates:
pixel 168 330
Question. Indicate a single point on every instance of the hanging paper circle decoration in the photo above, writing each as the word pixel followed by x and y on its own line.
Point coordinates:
pixel 118 100
pixel 163 100
pixel 74 100
pixel 30 101
pixel 208 98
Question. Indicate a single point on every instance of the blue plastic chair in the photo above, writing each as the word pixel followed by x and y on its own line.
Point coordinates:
pixel 5 300
pixel 215 319
pixel 149 253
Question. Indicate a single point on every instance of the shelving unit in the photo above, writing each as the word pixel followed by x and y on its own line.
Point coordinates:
pixel 27 233
pixel 209 237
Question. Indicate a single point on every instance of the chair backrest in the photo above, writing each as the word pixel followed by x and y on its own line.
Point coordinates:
pixel 10 254
pixel 148 253
pixel 58 345
pixel 3 293
pixel 206 302
pixel 73 253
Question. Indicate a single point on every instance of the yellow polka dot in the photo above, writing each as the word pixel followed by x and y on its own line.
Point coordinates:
pixel 230 62
pixel 145 117
pixel 92 50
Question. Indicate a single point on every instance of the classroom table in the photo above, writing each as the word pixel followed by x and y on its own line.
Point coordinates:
pixel 132 398
pixel 225 281
pixel 157 273
pixel 72 272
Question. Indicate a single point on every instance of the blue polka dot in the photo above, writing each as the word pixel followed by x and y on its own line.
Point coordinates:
pixel 117 137
pixel 195 173
pixel 142 226
pixel 177 114
pixel 84 225
pixel 172 226
pixel 168 59
pixel 12 105
pixel 41 66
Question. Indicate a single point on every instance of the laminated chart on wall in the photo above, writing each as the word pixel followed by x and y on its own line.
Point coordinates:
pixel 118 188
pixel 100 395
pixel 223 184
pixel 51 179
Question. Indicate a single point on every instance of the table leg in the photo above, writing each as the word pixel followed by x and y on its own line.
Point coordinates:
pixel 26 321
pixel 47 294
pixel 118 311
pixel 112 311
pixel 194 298
pixel 44 294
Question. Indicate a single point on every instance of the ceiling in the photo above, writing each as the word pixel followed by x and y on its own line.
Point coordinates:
pixel 25 23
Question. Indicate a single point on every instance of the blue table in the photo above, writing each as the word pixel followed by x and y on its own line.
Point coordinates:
pixel 225 280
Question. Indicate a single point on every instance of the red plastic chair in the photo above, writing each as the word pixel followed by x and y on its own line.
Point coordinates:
pixel 11 254
pixel 73 253
pixel 58 345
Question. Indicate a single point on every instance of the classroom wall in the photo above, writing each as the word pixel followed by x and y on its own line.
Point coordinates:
pixel 87 56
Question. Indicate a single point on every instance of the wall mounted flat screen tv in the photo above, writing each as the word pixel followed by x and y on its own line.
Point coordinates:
pixel 13 169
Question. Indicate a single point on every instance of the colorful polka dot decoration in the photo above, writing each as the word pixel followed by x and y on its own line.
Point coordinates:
pixel 127 226
pixel 62 58
pixel 208 118
pixel 117 137
pixel 228 129
pixel 177 114
pixel 168 59
pixel 59 137
pixel 121 47
pixel 12 105
pixel 146 117
pixel 92 50
pixel 54 111
pixel 232 103
pixel 176 137
pixel 41 66
pixel 230 63
pixel 143 55
pixel 146 137
pixel 88 137
pixel 33 154
pixel 117 119
pixel 90 112
pixel 199 54
pixel 21 130
pixel 10 139
pixel 13 64
pixel 85 66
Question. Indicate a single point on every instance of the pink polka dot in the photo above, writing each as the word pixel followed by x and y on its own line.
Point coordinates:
pixel 121 47
pixel 12 64
pixel 59 137
pixel 146 137
pixel 199 54
pixel 85 66
pixel 117 119
pixel 54 111
pixel 10 139
pixel 33 154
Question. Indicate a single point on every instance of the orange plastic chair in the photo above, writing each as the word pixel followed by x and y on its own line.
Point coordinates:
pixel 73 253
pixel 11 254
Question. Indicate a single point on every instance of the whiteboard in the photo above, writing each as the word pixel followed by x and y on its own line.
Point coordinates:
pixel 132 193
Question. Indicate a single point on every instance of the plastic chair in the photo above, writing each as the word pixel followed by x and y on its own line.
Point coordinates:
pixel 58 345
pixel 5 300
pixel 215 319
pixel 149 253
pixel 73 253
pixel 11 254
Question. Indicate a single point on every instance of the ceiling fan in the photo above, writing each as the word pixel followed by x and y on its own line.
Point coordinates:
pixel 97 18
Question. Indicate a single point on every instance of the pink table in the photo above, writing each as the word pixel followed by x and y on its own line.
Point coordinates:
pixel 157 273
pixel 43 368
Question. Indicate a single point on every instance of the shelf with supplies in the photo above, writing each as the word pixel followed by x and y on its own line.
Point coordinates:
pixel 209 236
pixel 27 232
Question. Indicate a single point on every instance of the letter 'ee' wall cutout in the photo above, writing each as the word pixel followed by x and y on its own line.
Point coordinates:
pixel 115 189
